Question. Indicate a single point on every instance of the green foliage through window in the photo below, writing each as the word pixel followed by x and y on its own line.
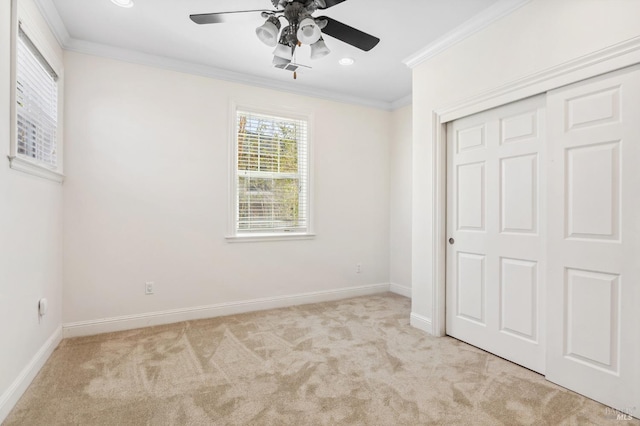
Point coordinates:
pixel 271 174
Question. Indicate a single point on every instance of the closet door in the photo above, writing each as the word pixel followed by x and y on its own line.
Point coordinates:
pixel 495 263
pixel 593 293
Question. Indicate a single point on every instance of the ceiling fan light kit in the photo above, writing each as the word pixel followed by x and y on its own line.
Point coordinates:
pixel 268 32
pixel 301 28
pixel 319 49
pixel 283 51
pixel 308 31
pixel 279 62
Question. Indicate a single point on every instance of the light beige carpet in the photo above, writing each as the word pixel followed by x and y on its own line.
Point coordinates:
pixel 351 362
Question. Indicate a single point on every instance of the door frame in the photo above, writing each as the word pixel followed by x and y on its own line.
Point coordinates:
pixel 613 58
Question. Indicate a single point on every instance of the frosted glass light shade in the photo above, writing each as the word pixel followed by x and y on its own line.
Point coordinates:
pixel 283 51
pixel 280 61
pixel 308 32
pixel 319 49
pixel 268 33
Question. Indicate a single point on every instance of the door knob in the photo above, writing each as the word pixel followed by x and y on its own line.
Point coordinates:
pixel 451 241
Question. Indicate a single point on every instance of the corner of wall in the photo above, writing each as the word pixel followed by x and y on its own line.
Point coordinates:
pixel 400 289
pixel 10 397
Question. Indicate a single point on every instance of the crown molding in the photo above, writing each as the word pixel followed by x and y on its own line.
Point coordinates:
pixel 51 16
pixel 402 102
pixel 614 57
pixel 482 20
pixel 131 56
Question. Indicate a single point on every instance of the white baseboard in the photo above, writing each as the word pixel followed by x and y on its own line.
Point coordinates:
pixel 129 322
pixel 402 290
pixel 421 323
pixel 11 396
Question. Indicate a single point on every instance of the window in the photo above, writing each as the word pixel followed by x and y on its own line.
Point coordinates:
pixel 271 175
pixel 36 106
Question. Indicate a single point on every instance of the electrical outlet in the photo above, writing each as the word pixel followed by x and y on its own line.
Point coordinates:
pixel 358 268
pixel 148 287
pixel 42 306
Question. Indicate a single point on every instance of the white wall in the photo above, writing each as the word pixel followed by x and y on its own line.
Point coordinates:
pixel 540 35
pixel 30 252
pixel 145 197
pixel 400 201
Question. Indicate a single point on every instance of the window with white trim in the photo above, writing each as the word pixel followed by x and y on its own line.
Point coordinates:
pixel 271 175
pixel 37 71
pixel 36 105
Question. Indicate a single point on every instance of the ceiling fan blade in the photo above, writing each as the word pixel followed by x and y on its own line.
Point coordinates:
pixel 331 3
pixel 221 17
pixel 349 34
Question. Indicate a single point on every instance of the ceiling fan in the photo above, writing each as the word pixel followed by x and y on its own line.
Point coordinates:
pixel 301 28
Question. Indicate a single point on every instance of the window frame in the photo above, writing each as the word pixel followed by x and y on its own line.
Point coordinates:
pixel 26 20
pixel 233 234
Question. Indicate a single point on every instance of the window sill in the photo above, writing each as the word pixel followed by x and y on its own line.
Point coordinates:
pixel 26 166
pixel 268 237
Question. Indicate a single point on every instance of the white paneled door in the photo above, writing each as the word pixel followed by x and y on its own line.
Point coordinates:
pixel 594 239
pixel 543 221
pixel 495 255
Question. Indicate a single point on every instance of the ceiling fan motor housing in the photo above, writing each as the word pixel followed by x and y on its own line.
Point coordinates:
pixel 307 3
pixel 295 12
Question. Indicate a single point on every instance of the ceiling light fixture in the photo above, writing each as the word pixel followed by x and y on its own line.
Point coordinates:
pixel 123 3
pixel 319 49
pixel 298 28
pixel 283 51
pixel 346 61
pixel 308 31
pixel 302 29
pixel 268 32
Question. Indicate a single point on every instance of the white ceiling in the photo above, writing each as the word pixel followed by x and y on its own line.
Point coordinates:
pixel 162 28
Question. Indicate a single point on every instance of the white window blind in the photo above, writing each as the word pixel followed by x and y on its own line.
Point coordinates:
pixel 37 104
pixel 271 174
